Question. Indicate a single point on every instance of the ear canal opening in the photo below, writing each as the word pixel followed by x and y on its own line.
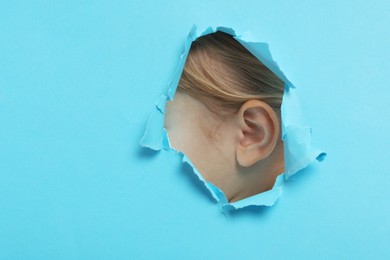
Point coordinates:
pixel 253 134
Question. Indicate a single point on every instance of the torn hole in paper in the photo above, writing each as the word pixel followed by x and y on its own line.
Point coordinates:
pixel 243 141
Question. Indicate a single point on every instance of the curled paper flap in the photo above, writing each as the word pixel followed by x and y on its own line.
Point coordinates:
pixel 298 152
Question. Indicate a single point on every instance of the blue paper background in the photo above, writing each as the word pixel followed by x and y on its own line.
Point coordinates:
pixel 78 80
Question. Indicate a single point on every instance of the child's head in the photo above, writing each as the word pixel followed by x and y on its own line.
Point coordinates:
pixel 226 116
pixel 224 74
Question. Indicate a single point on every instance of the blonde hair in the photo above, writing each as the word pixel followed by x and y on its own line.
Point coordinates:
pixel 223 74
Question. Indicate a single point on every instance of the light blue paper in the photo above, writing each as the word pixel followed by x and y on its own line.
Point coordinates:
pixel 79 80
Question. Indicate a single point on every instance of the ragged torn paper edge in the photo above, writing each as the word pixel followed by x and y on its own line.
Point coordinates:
pixel 298 152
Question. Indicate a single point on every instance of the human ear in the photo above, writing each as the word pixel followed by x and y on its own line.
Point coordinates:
pixel 258 132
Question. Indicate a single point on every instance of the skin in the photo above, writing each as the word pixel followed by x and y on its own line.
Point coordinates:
pixel 242 155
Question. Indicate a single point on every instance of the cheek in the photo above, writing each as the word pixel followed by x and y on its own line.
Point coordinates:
pixel 179 132
pixel 187 137
pixel 179 139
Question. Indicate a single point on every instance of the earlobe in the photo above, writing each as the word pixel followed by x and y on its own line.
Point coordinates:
pixel 258 132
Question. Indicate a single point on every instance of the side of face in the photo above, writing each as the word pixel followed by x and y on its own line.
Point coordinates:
pixel 209 144
pixel 242 155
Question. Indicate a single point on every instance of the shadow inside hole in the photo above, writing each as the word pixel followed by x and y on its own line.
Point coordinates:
pixel 302 175
pixel 251 210
pixel 146 153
